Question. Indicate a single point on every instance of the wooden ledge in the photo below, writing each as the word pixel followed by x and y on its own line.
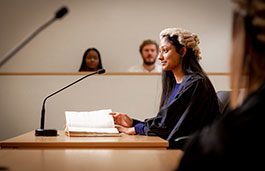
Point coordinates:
pixel 85 73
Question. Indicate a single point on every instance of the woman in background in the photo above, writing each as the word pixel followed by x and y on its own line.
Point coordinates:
pixel 91 60
pixel 236 142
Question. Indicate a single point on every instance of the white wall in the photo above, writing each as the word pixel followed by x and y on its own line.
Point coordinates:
pixel 21 98
pixel 115 27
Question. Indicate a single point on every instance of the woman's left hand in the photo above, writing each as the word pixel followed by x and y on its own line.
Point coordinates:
pixel 129 131
pixel 122 119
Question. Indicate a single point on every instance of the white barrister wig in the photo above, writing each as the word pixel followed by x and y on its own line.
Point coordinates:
pixel 185 38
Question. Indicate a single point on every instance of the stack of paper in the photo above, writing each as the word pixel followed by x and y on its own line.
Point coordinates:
pixel 93 123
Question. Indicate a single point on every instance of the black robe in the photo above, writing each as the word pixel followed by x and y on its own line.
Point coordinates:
pixel 194 106
pixel 234 142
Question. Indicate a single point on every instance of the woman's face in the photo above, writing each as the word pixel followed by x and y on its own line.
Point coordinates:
pixel 170 59
pixel 92 60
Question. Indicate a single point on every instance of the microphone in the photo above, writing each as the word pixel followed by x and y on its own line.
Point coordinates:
pixel 58 15
pixel 53 132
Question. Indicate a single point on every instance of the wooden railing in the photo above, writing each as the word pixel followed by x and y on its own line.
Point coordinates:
pixel 84 73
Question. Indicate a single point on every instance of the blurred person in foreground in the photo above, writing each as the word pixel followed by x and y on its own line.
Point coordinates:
pixel 236 142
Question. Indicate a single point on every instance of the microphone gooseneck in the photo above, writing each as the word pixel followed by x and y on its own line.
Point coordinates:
pixel 58 14
pixel 48 132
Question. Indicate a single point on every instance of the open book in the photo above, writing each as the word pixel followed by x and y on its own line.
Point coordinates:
pixel 93 123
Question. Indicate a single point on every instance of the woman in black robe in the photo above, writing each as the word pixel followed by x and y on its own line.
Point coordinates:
pixel 188 100
pixel 236 141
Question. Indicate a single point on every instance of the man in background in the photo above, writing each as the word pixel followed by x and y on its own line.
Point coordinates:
pixel 149 52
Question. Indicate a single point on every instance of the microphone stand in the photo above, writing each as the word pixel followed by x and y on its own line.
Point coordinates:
pixel 53 132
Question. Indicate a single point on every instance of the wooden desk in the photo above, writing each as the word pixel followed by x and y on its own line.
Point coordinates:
pixel 30 141
pixel 85 159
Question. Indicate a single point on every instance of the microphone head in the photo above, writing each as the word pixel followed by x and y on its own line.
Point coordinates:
pixel 101 71
pixel 60 13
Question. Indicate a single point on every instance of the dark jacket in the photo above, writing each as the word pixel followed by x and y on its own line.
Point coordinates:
pixel 194 106
pixel 235 142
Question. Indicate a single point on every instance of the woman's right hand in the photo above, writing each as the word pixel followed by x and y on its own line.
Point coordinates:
pixel 122 119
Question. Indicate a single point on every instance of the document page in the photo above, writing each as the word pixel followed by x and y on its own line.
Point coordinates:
pixel 92 123
pixel 89 119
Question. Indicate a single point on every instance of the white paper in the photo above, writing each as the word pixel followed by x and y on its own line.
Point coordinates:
pixel 93 130
pixel 91 119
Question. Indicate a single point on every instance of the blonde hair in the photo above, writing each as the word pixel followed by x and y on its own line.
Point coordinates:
pixel 185 38
pixel 247 58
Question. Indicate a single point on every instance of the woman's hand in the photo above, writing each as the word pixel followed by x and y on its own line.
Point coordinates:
pixel 122 119
pixel 129 131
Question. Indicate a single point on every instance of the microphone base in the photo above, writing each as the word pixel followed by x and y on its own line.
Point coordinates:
pixel 45 132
